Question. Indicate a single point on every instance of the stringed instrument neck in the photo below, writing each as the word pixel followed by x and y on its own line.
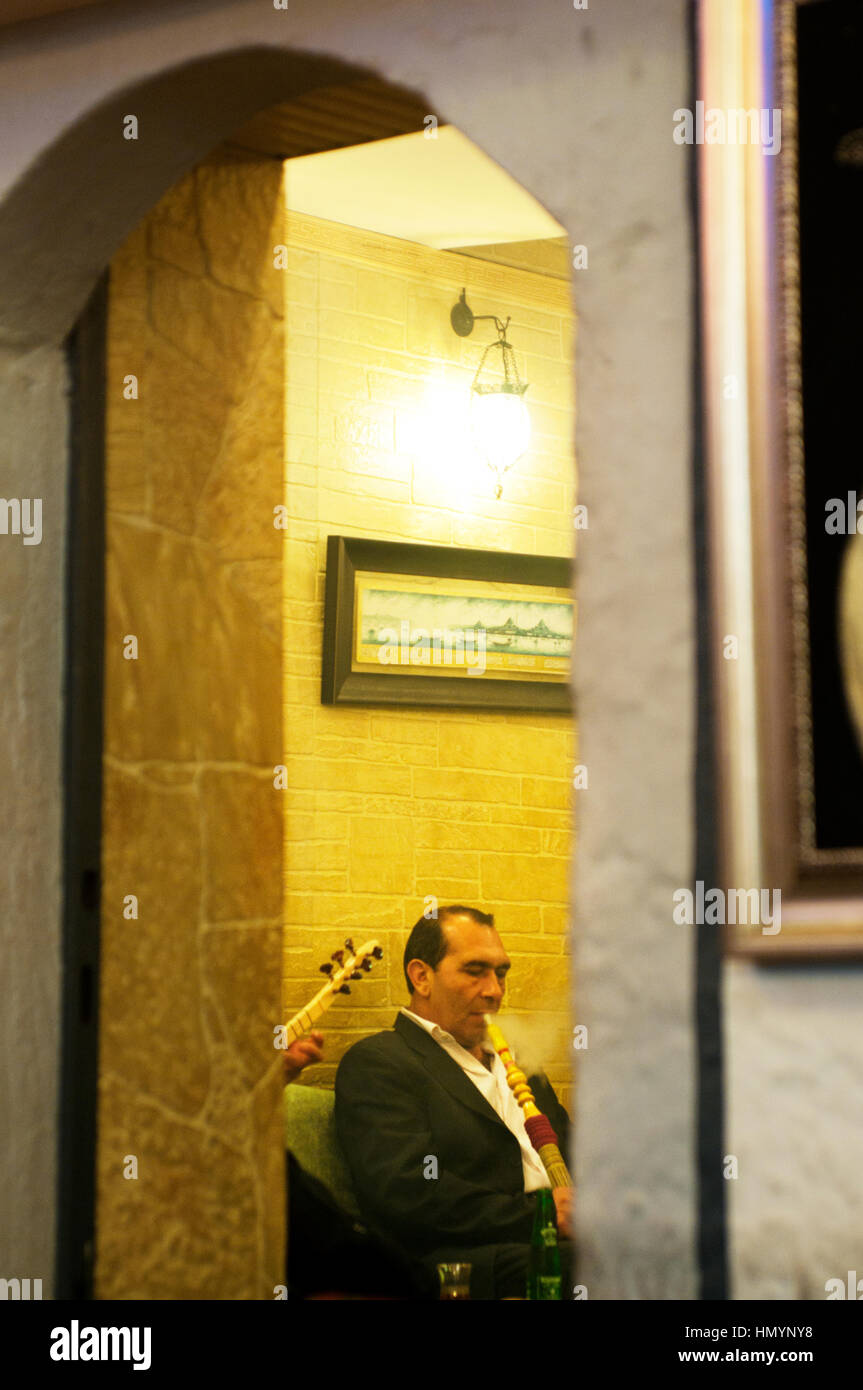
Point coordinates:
pixel 340 971
pixel 308 1017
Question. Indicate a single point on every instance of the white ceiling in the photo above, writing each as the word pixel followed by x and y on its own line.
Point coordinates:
pixel 443 192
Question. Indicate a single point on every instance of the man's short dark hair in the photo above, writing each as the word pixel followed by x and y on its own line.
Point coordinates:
pixel 427 941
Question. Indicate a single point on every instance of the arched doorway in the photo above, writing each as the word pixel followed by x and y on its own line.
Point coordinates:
pixel 189 1167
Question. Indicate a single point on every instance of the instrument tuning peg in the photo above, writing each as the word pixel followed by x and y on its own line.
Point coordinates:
pixel 338 956
pixel 349 945
pixel 327 969
pixel 366 964
pixel 377 952
pixel 345 989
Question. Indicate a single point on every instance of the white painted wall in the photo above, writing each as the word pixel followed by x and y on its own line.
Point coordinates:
pixel 794 1056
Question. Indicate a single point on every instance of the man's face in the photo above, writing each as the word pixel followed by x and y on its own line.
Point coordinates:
pixel 469 981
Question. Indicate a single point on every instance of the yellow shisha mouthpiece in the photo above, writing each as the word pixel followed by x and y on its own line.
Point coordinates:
pixel 495 1036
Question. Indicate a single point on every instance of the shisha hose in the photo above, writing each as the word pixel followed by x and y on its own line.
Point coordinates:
pixel 538 1126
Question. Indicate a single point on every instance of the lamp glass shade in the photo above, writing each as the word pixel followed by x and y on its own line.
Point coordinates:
pixel 501 427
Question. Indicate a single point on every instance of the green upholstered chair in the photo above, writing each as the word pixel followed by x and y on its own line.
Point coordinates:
pixel 310 1134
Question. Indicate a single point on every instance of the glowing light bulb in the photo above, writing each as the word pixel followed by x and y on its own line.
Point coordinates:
pixel 500 424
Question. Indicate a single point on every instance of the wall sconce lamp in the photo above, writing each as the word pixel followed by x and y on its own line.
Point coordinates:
pixel 501 423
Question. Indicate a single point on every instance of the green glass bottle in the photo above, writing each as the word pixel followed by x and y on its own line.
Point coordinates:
pixel 543 1265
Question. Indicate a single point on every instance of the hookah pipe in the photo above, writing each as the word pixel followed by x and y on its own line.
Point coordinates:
pixel 538 1126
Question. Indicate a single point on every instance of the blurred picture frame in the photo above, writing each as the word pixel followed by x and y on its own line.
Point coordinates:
pixel 787 633
pixel 440 626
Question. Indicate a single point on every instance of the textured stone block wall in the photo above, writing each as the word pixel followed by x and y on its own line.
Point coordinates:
pixel 189 1079
pixel 387 806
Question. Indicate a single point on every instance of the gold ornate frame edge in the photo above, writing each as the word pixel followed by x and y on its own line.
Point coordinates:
pixel 751 280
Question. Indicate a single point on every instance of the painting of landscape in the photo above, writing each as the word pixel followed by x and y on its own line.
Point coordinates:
pixel 408 626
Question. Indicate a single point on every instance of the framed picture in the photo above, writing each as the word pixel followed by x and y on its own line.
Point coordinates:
pixel 786 551
pixel 433 625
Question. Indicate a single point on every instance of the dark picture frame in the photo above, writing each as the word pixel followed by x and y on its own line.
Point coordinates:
pixel 813 777
pixel 790 783
pixel 342 684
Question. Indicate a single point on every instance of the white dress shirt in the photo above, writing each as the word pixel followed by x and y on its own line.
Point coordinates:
pixel 492 1084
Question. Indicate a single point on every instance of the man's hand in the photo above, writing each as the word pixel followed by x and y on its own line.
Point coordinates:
pixel 303 1053
pixel 563 1201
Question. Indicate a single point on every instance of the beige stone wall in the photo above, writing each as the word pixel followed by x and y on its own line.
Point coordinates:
pixel 387 806
pixel 189 1080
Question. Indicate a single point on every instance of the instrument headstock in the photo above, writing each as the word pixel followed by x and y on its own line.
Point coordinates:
pixel 344 964
pixel 340 970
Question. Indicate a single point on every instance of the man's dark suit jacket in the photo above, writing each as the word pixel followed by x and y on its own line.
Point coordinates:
pixel 401 1100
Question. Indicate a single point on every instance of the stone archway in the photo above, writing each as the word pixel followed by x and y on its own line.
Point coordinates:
pixel 62 222
pixel 186 112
